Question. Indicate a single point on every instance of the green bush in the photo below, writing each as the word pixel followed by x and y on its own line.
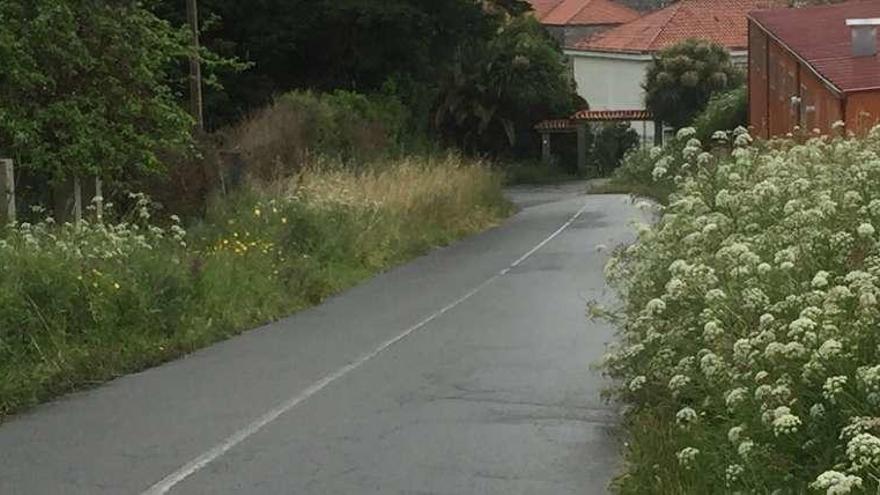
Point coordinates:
pixel 611 144
pixel 652 172
pixel 341 125
pixel 749 352
pixel 683 77
pixel 725 112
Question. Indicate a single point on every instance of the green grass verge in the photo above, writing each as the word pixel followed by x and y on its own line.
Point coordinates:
pixel 81 306
pixel 653 190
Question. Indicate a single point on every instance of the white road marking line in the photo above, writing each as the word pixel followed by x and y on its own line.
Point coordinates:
pixel 190 468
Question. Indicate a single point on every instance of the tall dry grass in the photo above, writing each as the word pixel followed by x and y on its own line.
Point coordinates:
pixel 450 191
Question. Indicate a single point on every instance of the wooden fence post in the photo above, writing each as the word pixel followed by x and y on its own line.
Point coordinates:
pixel 582 147
pixel 99 200
pixel 7 172
pixel 77 202
pixel 546 151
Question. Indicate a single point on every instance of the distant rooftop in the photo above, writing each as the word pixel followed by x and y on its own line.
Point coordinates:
pixel 581 12
pixel 720 21
pixel 821 38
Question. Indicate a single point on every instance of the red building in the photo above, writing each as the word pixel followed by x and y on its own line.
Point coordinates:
pixel 812 67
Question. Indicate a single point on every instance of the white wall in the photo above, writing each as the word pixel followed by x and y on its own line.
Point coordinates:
pixel 610 83
pixel 613 82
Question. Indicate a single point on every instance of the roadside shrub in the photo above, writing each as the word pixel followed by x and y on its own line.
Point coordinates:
pixel 611 144
pixel 651 172
pixel 683 77
pixel 749 353
pixel 724 112
pixel 80 305
pixel 279 139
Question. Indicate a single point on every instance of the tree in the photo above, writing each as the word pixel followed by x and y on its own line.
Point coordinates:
pixel 324 45
pixel 683 77
pixel 499 88
pixel 85 87
pixel 613 140
pixel 724 112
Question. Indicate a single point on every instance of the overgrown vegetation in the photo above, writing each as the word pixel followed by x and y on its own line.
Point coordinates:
pixel 286 200
pixel 724 111
pixel 80 305
pixel 346 126
pixel 646 172
pixel 85 87
pixel 474 74
pixel 749 353
pixel 683 77
pixel 612 142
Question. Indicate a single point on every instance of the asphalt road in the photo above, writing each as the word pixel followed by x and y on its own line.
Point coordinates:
pixel 466 371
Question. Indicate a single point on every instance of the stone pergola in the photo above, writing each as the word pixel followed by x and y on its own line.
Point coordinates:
pixel 578 123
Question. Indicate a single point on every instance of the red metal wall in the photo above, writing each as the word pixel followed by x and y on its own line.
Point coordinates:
pixel 776 77
pixel 862 111
pixel 758 81
pixel 783 84
pixel 819 108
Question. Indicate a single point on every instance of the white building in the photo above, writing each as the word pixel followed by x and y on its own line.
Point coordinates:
pixel 610 67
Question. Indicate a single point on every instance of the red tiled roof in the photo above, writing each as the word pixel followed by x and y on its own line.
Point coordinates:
pixel 554 125
pixel 821 38
pixel 720 21
pixel 613 115
pixel 593 116
pixel 581 12
pixel 543 7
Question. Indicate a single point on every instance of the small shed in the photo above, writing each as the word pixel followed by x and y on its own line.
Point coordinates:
pixel 814 66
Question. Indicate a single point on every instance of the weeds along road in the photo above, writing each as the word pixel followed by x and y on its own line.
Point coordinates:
pixel 466 371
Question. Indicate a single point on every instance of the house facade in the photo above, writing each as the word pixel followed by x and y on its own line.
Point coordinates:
pixel 609 68
pixel 812 67
pixel 571 20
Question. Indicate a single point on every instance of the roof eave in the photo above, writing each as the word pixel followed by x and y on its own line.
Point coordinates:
pixel 861 90
pixel 609 53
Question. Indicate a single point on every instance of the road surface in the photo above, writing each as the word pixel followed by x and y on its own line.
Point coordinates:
pixel 466 371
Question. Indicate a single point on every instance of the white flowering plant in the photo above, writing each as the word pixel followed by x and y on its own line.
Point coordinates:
pixel 657 171
pixel 752 306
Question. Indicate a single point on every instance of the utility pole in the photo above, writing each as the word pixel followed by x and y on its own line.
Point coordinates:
pixel 195 67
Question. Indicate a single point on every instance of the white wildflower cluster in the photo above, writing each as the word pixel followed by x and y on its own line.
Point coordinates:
pixel 836 483
pixel 785 423
pixel 687 457
pixel 686 416
pixel 864 451
pixel 754 300
pixel 95 240
pixel 733 474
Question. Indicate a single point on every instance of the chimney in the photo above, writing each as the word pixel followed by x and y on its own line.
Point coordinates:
pixel 864 36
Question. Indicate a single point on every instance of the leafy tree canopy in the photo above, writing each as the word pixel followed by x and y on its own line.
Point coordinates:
pixel 496 91
pixel 683 77
pixel 459 63
pixel 84 86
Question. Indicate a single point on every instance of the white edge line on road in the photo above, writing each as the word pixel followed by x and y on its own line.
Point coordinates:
pixel 190 468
